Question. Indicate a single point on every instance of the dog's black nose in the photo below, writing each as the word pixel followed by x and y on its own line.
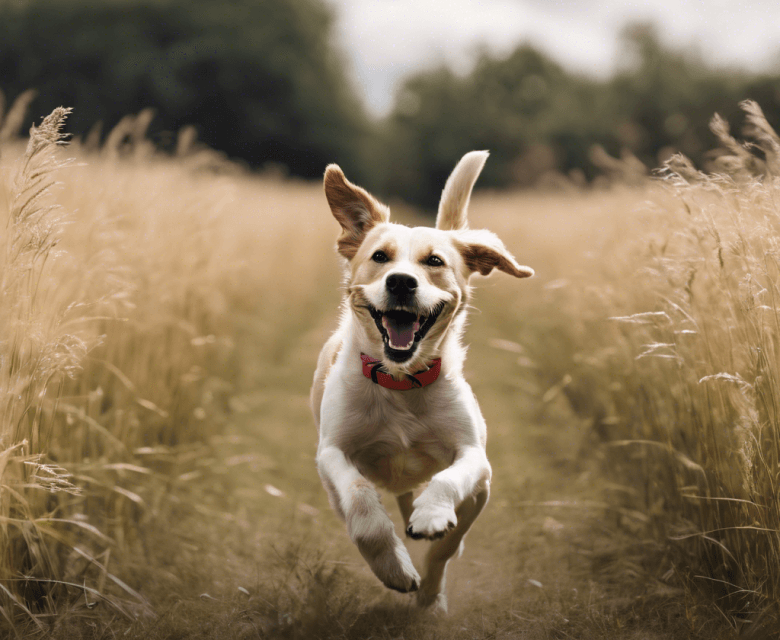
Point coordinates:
pixel 400 283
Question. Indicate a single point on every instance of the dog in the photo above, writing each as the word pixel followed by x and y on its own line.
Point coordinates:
pixel 389 399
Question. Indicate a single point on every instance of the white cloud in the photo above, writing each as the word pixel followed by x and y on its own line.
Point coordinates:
pixel 388 39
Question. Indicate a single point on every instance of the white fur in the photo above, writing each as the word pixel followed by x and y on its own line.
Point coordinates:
pixel 371 436
pixel 454 203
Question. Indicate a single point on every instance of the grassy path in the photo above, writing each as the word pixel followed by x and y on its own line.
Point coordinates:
pixel 250 548
pixel 253 550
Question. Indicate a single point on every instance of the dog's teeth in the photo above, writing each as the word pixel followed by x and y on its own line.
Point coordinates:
pixel 401 347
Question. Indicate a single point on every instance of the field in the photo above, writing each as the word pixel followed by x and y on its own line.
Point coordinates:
pixel 162 317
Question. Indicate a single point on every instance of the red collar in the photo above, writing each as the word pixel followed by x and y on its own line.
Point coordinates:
pixel 372 369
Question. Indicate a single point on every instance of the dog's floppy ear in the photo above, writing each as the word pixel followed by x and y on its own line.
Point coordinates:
pixel 355 209
pixel 483 251
pixel 454 204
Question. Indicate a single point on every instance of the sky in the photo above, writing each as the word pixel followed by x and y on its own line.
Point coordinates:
pixel 388 39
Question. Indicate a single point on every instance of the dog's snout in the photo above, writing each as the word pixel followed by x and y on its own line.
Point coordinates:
pixel 400 283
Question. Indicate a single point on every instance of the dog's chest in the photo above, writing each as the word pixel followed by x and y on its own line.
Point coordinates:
pixel 400 470
pixel 399 451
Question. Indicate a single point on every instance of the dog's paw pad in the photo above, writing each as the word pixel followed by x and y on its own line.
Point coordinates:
pixel 431 523
pixel 411 533
pixel 401 588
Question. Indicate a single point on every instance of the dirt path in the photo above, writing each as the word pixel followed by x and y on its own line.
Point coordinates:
pixel 251 549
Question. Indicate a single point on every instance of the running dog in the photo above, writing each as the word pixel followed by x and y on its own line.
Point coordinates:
pixel 391 405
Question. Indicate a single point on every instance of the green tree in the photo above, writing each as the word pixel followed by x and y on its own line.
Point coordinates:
pixel 261 79
pixel 665 98
pixel 510 106
pixel 535 116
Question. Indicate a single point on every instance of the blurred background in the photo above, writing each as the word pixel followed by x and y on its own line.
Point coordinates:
pixel 159 322
pixel 397 90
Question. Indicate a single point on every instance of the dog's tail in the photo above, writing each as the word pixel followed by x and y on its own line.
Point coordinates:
pixel 453 208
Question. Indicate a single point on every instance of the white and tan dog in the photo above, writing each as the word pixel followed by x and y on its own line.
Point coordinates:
pixel 389 398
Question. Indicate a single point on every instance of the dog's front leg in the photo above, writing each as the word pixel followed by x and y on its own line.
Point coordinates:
pixel 434 509
pixel 369 526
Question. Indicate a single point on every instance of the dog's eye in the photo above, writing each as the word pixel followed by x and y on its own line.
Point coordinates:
pixel 380 256
pixel 434 261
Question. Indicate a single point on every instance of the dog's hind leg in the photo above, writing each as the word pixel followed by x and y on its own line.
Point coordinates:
pixel 431 593
pixel 405 506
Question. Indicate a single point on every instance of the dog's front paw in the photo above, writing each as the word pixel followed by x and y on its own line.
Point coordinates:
pixel 393 566
pixel 431 521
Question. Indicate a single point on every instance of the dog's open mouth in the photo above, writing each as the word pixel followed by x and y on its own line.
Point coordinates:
pixel 402 330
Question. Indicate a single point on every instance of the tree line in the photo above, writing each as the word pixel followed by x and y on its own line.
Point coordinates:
pixel 265 82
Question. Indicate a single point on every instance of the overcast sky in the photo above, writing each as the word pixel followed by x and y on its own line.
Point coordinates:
pixel 387 39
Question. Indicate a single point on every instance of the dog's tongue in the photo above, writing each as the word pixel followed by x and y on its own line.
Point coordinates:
pixel 400 333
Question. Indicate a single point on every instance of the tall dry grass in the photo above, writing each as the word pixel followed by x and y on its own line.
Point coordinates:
pixel 664 338
pixel 140 293
pixel 126 280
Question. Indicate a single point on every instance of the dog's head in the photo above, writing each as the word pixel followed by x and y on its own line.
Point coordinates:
pixel 406 285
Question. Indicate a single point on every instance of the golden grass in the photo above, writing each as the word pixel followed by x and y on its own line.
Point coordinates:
pixel 664 339
pixel 123 290
pixel 160 327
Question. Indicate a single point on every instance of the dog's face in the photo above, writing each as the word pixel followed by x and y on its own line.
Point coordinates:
pixel 406 285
